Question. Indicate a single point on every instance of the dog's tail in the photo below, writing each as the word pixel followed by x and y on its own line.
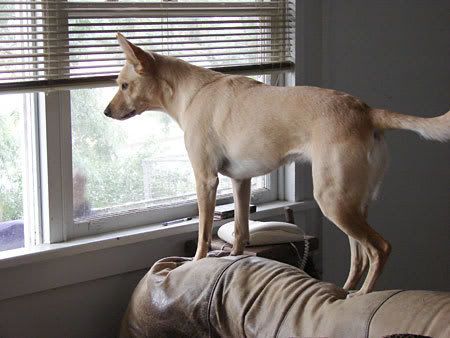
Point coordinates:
pixel 434 128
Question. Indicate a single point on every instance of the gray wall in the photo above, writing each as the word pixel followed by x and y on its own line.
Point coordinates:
pixel 395 55
pixel 94 308
pixel 89 309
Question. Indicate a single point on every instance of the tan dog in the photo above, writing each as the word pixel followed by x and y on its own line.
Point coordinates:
pixel 243 128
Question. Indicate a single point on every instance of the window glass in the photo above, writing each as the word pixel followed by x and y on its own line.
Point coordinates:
pixel 123 166
pixel 11 171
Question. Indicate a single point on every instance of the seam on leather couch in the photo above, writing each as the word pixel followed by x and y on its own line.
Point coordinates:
pixel 211 296
pixel 376 310
pixel 268 285
pixel 288 310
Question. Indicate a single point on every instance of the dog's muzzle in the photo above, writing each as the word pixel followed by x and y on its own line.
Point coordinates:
pixel 108 111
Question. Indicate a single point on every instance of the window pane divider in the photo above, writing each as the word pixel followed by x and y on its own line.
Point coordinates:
pixel 56 166
pixel 56 148
pixel 31 176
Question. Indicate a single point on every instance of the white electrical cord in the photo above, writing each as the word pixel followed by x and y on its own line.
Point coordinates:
pixel 302 260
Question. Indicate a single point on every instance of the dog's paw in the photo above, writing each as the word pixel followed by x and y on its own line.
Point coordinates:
pixel 236 252
pixel 355 293
pixel 200 254
pixel 350 293
pixel 238 247
pixel 196 258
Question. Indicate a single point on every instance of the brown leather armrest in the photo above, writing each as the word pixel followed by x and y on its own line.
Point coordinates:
pixel 248 296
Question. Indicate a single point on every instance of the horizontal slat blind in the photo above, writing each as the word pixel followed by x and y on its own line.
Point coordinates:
pixel 73 41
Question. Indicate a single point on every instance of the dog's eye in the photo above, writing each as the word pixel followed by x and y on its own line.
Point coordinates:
pixel 124 86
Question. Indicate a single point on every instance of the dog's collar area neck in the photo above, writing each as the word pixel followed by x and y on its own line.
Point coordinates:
pixel 200 87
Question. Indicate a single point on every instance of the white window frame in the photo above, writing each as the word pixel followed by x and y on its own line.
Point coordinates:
pixel 57 194
pixel 56 166
pixel 32 208
pixel 53 130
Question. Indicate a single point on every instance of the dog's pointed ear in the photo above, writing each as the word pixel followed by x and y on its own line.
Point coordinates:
pixel 140 59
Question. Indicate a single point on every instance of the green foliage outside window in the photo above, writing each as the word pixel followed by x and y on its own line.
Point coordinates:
pixel 10 166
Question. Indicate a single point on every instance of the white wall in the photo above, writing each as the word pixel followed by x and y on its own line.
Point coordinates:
pixel 395 55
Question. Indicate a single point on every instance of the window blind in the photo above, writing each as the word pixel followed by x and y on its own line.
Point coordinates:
pixel 45 43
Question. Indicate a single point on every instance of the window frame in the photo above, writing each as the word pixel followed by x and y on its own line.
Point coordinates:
pixel 59 224
pixel 53 136
pixel 56 166
pixel 32 217
pixel 57 198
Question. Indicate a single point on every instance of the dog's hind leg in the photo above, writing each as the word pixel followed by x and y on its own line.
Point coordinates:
pixel 377 163
pixel 350 220
pixel 241 193
pixel 358 261
pixel 358 264
pixel 341 187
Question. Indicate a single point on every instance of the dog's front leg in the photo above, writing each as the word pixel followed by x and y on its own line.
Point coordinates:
pixel 241 194
pixel 206 195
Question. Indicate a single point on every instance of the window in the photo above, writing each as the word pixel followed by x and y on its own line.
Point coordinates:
pixel 119 166
pixel 11 172
pixel 66 170
pixel 18 180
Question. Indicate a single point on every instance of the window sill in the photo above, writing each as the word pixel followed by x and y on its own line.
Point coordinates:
pixel 129 236
pixel 105 255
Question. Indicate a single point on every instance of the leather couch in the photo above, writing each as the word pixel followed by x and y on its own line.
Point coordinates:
pixel 248 296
